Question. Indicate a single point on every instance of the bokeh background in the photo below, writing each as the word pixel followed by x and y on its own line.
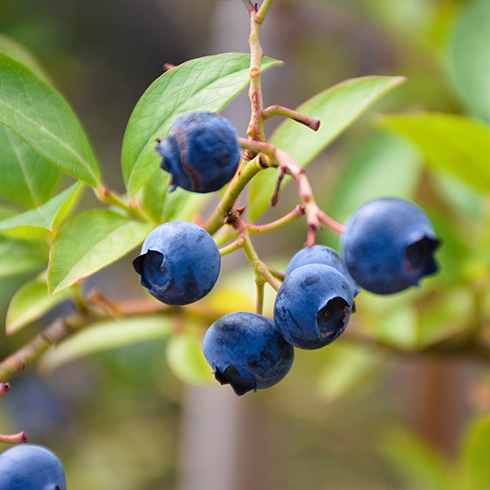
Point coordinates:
pixel 381 408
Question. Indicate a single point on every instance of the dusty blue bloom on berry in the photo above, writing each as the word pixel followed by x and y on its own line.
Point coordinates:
pixel 313 306
pixel 179 263
pixel 201 152
pixel 247 351
pixel 388 245
pixel 30 467
pixel 320 254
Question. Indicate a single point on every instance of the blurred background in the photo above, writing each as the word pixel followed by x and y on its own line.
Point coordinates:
pixel 382 408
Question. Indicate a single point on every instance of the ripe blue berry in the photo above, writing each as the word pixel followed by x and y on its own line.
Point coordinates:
pixel 247 351
pixel 313 306
pixel 179 263
pixel 320 254
pixel 30 467
pixel 388 245
pixel 201 152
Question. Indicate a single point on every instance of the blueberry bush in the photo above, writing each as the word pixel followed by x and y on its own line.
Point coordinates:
pixel 388 256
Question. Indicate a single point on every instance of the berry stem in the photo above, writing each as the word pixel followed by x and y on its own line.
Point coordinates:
pixel 21 437
pixel 262 272
pixel 274 225
pixel 4 388
pixel 277 110
pixel 275 157
pixel 241 179
pixel 259 305
pixel 107 196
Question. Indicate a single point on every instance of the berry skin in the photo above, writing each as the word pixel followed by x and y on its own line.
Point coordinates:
pixel 388 245
pixel 179 263
pixel 313 306
pixel 201 152
pixel 247 351
pixel 320 254
pixel 30 467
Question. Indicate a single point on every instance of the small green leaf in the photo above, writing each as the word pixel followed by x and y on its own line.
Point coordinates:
pixel 103 336
pixel 202 84
pixel 18 257
pixel 27 178
pixel 451 143
pixel 476 470
pixel 336 108
pixel 37 223
pixel 90 241
pixel 30 303
pixel 469 56
pixel 186 360
pixel 43 119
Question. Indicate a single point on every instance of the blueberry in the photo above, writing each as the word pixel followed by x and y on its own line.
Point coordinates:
pixel 320 254
pixel 313 306
pixel 201 152
pixel 30 467
pixel 388 245
pixel 179 263
pixel 247 351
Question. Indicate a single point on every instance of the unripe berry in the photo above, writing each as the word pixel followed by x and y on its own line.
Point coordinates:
pixel 179 263
pixel 388 245
pixel 201 152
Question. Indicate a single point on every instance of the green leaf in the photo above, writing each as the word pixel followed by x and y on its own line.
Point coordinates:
pixel 336 108
pixel 103 336
pixel 469 56
pixel 381 164
pixel 422 466
pixel 202 84
pixel 43 119
pixel 27 178
pixel 476 470
pixel 186 360
pixel 90 241
pixel 30 303
pixel 39 222
pixel 12 48
pixel 18 257
pixel 451 143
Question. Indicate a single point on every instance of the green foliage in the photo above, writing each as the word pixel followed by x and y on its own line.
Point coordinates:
pixel 336 108
pixel 28 179
pixel 469 57
pixel 90 241
pixel 37 223
pixel 455 144
pixel 25 100
pixel 106 335
pixel 30 303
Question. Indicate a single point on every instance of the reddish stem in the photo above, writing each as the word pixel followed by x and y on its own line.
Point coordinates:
pixel 19 438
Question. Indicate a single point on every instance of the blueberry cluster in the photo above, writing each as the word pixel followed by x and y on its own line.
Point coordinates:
pixel 388 246
pixel 31 467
